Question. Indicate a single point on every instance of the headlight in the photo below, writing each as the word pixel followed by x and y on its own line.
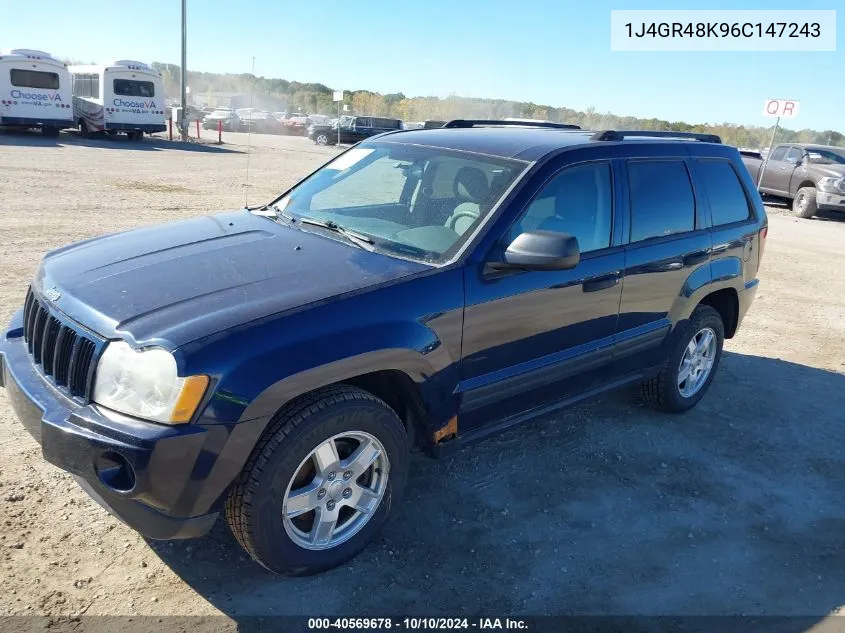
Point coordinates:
pixel 829 184
pixel 144 384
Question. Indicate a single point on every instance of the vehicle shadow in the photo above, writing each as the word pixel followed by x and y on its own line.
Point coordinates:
pixel 32 138
pixel 607 508
pixel 786 206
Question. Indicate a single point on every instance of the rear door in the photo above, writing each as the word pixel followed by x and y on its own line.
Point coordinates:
pixel 775 170
pixel 668 246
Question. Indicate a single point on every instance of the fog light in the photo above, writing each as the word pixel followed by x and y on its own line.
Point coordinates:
pixel 115 472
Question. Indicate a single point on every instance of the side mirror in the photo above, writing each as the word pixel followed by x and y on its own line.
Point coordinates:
pixel 541 250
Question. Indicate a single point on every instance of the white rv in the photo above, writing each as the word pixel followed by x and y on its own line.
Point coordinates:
pixel 123 96
pixel 34 91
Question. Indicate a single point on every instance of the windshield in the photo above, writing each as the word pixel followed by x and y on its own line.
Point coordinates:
pixel 419 202
pixel 826 157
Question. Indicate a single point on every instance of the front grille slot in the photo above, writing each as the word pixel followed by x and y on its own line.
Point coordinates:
pixel 61 351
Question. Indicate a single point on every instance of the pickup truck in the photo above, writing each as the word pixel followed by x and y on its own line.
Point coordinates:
pixel 811 176
pixel 352 129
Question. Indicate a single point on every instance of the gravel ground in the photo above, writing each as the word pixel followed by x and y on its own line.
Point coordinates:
pixel 606 508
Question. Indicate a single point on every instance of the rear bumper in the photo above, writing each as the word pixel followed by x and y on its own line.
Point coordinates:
pixel 166 482
pixel 29 122
pixel 830 201
pixel 150 128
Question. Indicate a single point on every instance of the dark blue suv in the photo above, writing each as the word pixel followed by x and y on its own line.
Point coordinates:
pixel 423 289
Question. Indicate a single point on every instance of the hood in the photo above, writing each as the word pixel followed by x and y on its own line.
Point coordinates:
pixel 173 283
pixel 836 171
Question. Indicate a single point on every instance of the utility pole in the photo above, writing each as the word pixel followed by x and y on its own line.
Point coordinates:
pixel 184 85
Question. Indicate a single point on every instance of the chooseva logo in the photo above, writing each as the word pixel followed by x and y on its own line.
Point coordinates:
pixel 145 105
pixel 19 94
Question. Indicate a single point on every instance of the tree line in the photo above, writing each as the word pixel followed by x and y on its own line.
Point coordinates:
pixel 316 98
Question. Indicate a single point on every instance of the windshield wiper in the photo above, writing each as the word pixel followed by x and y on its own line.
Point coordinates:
pixel 358 239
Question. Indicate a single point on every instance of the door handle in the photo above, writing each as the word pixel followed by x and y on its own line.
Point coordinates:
pixel 698 257
pixel 600 283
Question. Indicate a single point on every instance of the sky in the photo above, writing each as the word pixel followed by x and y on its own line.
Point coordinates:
pixel 552 53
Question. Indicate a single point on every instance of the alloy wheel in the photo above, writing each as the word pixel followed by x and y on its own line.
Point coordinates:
pixel 697 362
pixel 336 490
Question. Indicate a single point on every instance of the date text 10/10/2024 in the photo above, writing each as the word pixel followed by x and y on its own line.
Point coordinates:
pixel 431 624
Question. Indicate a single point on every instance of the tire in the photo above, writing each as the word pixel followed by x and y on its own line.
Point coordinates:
pixel 258 506
pixel 50 132
pixel 663 392
pixel 804 205
pixel 321 139
pixel 135 135
pixel 84 132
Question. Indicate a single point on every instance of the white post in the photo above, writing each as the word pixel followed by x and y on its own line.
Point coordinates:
pixel 769 153
pixel 184 78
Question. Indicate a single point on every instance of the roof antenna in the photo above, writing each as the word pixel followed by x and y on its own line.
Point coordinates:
pixel 249 136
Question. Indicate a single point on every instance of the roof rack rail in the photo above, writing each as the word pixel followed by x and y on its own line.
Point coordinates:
pixel 464 123
pixel 619 135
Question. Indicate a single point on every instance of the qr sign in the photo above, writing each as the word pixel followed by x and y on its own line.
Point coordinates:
pixel 782 108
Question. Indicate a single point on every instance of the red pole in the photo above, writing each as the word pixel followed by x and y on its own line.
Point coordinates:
pixel 220 132
pixel 198 128
pixel 170 125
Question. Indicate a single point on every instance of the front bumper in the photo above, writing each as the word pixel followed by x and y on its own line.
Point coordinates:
pixel 830 201
pixel 166 482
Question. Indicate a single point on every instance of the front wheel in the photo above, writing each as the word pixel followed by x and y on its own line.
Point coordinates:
pixel 321 482
pixel 321 139
pixel 804 205
pixel 691 365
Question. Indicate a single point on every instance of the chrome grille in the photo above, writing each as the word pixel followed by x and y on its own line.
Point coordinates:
pixel 63 352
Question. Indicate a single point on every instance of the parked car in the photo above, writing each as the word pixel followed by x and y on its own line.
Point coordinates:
pixel 296 124
pixel 352 129
pixel 231 121
pixel 276 365
pixel 811 176
pixel 261 123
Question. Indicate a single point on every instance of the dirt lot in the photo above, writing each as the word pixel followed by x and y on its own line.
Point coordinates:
pixel 607 508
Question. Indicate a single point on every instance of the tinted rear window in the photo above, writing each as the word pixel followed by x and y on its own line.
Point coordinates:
pixel 133 88
pixel 34 79
pixel 728 202
pixel 390 124
pixel 662 202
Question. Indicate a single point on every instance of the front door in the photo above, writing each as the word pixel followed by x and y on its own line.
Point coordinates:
pixel 534 338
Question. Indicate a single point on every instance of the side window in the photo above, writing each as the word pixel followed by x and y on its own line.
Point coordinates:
pixel 728 202
pixel 363 121
pixel 778 154
pixel 578 201
pixel 794 154
pixel 662 201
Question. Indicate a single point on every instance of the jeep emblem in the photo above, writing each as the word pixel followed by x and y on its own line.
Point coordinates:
pixel 52 294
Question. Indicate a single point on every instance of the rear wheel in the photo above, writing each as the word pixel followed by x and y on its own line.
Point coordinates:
pixel 83 129
pixel 321 482
pixel 321 139
pixel 804 205
pixel 50 132
pixel 690 368
pixel 135 135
